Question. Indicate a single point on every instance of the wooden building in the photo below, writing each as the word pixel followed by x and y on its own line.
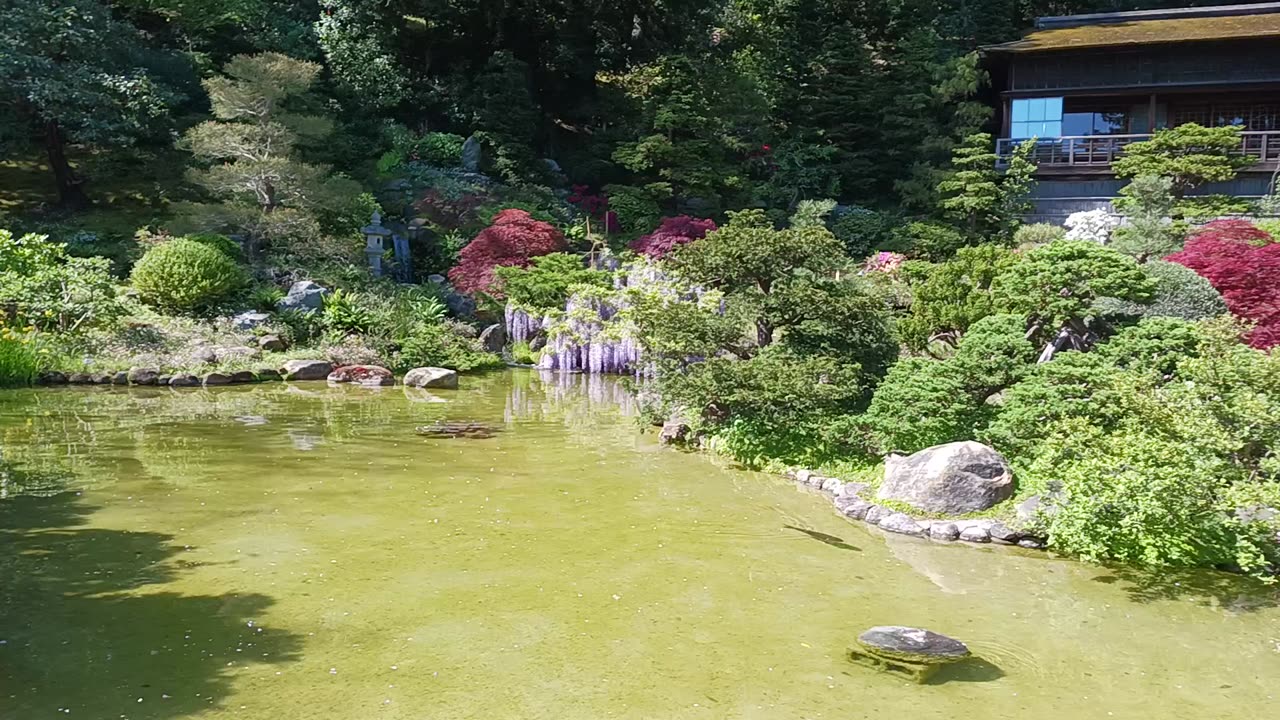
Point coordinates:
pixel 1085 86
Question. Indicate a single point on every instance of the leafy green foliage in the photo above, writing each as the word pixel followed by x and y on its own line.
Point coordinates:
pixel 250 149
pixel 1188 155
pixel 186 275
pixel 753 263
pixel 954 295
pixel 74 71
pixel 978 197
pixel 19 362
pixel 1056 285
pixel 1148 203
pixel 42 286
pixel 928 402
pixel 862 231
pixel 1037 234
pixel 434 345
pixel 547 282
pixel 1180 293
pixel 343 312
pixel 1176 469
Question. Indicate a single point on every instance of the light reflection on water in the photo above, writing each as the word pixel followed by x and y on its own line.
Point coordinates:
pixel 298 551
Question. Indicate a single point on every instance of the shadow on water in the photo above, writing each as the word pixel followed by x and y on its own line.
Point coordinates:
pixel 974 669
pixel 831 540
pixel 1226 591
pixel 86 630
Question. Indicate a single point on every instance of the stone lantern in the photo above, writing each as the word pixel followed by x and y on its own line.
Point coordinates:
pixel 375 236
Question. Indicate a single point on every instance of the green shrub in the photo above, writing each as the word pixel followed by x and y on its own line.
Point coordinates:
pixel 221 243
pixel 522 354
pixel 19 361
pixel 929 240
pixel 863 231
pixel 439 148
pixel 436 346
pixel 43 287
pixel 952 295
pixel 545 284
pixel 1180 293
pixel 344 313
pixel 186 275
pixel 265 298
pixel 1037 234
pixel 637 208
pixel 929 402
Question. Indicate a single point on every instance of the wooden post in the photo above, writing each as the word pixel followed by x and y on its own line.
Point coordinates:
pixel 1151 115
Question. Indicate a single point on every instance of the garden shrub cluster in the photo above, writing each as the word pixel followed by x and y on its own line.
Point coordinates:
pixel 187 274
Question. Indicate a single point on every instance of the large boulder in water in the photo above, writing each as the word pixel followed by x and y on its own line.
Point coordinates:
pixel 432 377
pixel 912 645
pixel 494 338
pixel 367 375
pixel 306 370
pixel 954 479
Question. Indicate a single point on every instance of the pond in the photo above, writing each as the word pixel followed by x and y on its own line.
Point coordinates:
pixel 275 552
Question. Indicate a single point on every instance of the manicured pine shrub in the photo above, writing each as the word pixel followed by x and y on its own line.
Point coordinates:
pixel 186 275
pixel 1244 266
pixel 513 239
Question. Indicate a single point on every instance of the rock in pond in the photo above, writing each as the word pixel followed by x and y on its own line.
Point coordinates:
pixel 306 370
pixel 446 429
pixel 184 380
pixel 120 378
pixel 52 377
pixel 243 376
pixel 143 376
pixel 954 479
pixel 901 523
pixel 914 652
pixel 432 377
pixel 216 378
pixel 367 375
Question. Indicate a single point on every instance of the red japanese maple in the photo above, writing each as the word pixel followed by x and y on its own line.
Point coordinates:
pixel 512 239
pixel 672 232
pixel 1242 263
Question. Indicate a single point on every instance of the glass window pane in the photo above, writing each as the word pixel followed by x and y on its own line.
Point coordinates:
pixel 1052 129
pixel 1018 130
pixel 1035 110
pixel 1053 108
pixel 1020 110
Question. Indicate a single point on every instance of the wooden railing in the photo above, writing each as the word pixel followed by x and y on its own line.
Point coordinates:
pixel 1099 151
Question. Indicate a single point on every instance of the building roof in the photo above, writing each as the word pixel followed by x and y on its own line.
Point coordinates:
pixel 1226 22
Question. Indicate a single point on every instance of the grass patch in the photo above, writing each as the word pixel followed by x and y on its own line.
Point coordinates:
pixel 19 361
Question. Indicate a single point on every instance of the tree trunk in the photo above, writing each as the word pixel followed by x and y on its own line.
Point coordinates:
pixel 70 185
pixel 764 333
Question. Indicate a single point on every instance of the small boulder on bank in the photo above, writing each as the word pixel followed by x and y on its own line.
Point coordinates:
pixel 674 432
pixel 901 523
pixel 243 376
pixel 306 370
pixel 267 374
pixel 250 320
pixel 944 531
pixel 272 343
pixel 494 338
pixel 367 375
pixel 954 479
pixel 432 377
pixel 184 380
pixel 143 376
pixel 52 377
pixel 303 295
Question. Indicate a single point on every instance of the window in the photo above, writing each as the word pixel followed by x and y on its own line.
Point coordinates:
pixel 1036 117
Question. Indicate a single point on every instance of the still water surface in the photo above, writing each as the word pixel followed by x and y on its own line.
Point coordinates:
pixel 297 552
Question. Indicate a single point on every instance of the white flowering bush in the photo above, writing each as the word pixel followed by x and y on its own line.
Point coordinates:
pixel 1092 225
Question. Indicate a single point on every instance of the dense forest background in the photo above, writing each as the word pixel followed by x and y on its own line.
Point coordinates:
pixel 698 105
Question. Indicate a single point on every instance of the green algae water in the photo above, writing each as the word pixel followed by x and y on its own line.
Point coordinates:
pixel 281 552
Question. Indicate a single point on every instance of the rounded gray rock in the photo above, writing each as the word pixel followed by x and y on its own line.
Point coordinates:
pixel 432 377
pixel 954 479
pixel 876 513
pixel 912 645
pixel 975 534
pixel 902 524
pixel 306 370
pixel 944 531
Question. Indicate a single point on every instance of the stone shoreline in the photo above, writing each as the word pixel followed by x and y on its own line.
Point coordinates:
pixel 847 497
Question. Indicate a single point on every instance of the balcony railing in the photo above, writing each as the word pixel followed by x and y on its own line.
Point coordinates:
pixel 1099 151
